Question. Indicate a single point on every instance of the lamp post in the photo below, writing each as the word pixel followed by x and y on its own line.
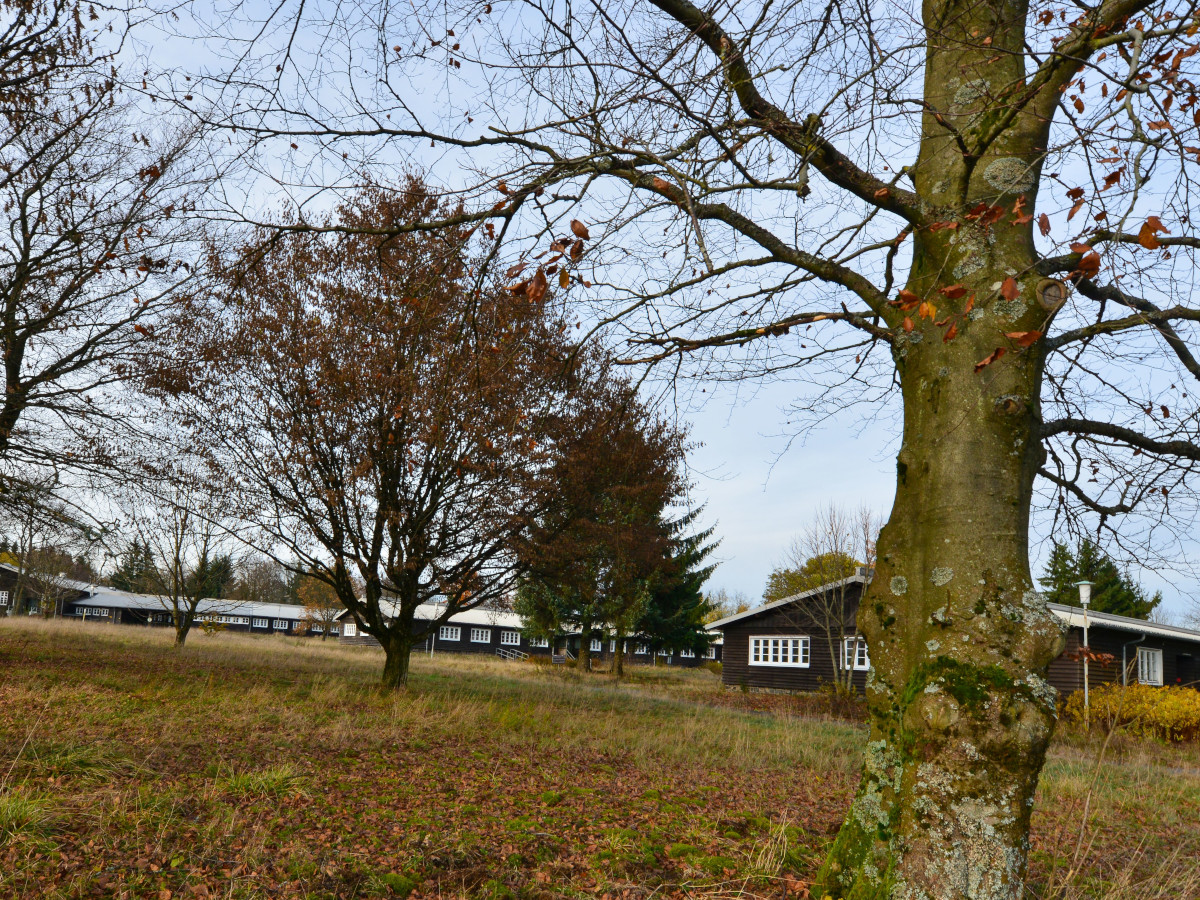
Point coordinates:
pixel 1085 598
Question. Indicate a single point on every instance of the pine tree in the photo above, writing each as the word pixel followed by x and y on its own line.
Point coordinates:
pixel 675 613
pixel 136 570
pixel 1113 589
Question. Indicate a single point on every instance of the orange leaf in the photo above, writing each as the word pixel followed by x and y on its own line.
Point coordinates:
pixel 953 291
pixel 951 333
pixel 579 230
pixel 660 184
pixel 537 286
pixel 1009 289
pixel 564 278
pixel 576 250
pixel 881 193
pixel 908 324
pixel 1089 265
pixel 1146 237
pixel 1044 225
pixel 1023 338
pixel 989 359
pixel 938 226
pixel 1074 209
pixel 927 311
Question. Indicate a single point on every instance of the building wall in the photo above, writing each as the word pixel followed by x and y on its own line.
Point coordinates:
pixel 1180 659
pixel 736 670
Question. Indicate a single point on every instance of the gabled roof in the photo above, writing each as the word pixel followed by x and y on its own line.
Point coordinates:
pixel 480 615
pixel 759 610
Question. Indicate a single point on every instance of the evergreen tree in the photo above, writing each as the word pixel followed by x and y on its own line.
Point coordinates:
pixel 136 572
pixel 676 610
pixel 1113 590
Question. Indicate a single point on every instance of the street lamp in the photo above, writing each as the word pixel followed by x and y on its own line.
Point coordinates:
pixel 1085 598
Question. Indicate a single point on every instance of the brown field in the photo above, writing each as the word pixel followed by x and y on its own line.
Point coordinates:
pixel 256 767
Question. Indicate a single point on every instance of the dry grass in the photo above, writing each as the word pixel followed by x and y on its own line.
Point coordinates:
pixel 253 767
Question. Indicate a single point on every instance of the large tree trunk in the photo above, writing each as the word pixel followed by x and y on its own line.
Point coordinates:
pixel 960 714
pixel 397 650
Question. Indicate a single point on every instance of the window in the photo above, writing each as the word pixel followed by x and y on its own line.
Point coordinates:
pixel 779 651
pixel 687 654
pixel 281 624
pixel 317 629
pixel 450 633
pixel 3 598
pixel 854 654
pixel 511 638
pixel 333 629
pixel 597 645
pixel 641 648
pixel 664 652
pixel 297 626
pixel 612 646
pixel 96 610
pixel 481 635
pixel 260 623
pixel 1150 666
pixel 539 642
pixel 350 630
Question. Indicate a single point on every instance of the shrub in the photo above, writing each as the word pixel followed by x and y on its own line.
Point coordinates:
pixel 1169 713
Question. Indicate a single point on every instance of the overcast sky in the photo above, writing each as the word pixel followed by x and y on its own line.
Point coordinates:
pixel 760 499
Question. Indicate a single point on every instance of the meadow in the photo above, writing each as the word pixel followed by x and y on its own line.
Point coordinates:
pixel 262 767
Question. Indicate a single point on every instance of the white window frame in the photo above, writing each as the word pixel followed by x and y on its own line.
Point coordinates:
pixel 640 649
pixel 597 645
pixel 792 651
pixel 481 635
pixel 349 630
pixel 510 638
pixel 687 654
pixel 259 623
pixel 316 629
pixel 280 624
pixel 97 610
pixel 1150 666
pixel 856 658
pixel 612 646
pixel 711 652
pixel 539 642
pixel 297 625
pixel 333 629
pixel 3 598
pixel 450 633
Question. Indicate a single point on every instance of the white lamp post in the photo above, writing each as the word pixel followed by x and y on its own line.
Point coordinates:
pixel 1085 598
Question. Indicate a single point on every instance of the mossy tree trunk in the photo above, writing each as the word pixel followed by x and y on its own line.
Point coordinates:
pixel 960 714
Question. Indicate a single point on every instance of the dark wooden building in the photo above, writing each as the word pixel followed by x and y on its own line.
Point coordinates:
pixel 498 632
pixel 785 646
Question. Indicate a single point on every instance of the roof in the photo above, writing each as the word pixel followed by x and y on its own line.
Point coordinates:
pixel 111 598
pixel 497 618
pixel 1073 616
pixel 720 624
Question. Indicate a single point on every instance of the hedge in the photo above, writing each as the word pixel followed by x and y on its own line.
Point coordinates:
pixel 1169 713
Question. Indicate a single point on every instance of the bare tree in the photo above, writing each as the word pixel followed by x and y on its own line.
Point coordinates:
pixel 96 202
pixel 180 528
pixel 321 606
pixel 835 544
pixel 978 212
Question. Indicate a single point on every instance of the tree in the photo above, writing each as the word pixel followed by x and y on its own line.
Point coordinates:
pixel 135 571
pixel 321 607
pixel 1112 589
pixel 832 547
pixel 721 604
pixel 95 197
pixel 786 582
pixel 674 615
pixel 597 553
pixel 259 579
pixel 175 550
pixel 978 211
pixel 380 415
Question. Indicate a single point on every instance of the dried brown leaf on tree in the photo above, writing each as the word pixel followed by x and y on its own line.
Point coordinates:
pixel 579 230
pixel 989 359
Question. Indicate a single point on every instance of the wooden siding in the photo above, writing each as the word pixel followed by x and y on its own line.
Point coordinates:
pixel 736 670
pixel 1181 658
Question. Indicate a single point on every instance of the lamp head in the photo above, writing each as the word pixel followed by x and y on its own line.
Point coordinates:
pixel 1085 592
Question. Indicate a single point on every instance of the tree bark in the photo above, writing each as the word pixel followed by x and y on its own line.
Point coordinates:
pixel 397 650
pixel 960 713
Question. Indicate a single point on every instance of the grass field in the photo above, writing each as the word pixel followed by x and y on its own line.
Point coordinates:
pixel 255 767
